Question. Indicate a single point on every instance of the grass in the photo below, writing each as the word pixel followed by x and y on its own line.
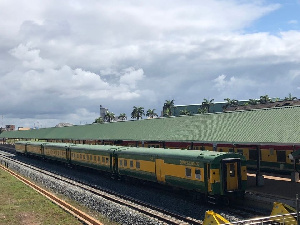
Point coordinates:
pixel 19 204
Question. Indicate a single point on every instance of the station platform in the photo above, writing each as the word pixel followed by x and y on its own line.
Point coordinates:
pixel 278 188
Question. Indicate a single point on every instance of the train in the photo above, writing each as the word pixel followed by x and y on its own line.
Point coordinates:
pixel 215 175
pixel 272 157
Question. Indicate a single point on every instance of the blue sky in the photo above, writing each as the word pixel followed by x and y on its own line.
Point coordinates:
pixel 60 60
pixel 285 18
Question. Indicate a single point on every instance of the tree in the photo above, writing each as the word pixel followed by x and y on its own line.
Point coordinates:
pixel 185 112
pixel 167 109
pixel 264 99
pixel 137 112
pixel 230 103
pixel 253 101
pixel 234 102
pixel 207 103
pixel 227 103
pixel 150 113
pixel 202 110
pixel 109 116
pixel 290 98
pixel 99 120
pixel 122 116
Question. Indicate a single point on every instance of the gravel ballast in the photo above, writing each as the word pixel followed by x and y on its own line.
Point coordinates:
pixel 114 212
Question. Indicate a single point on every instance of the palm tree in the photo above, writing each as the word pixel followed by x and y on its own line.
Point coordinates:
pixel 207 103
pixel 167 109
pixel 234 102
pixel 185 112
pixel 122 116
pixel 99 120
pixel 137 112
pixel 253 101
pixel 264 99
pixel 227 103
pixel 290 98
pixel 202 110
pixel 109 116
pixel 150 113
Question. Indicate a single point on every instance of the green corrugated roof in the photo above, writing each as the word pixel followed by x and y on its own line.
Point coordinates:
pixel 276 125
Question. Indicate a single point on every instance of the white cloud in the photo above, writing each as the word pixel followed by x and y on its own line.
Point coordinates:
pixel 30 57
pixel 293 22
pixel 131 77
pixel 63 60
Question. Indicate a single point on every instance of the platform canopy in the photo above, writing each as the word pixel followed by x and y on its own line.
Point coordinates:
pixel 270 125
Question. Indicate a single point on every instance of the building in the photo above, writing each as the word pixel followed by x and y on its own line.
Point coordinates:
pixel 10 127
pixel 64 125
pixel 193 108
pixel 103 111
pixel 23 128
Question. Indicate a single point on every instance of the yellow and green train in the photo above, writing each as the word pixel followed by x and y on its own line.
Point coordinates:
pixel 216 174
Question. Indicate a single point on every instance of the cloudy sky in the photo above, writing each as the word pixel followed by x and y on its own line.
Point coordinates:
pixel 60 60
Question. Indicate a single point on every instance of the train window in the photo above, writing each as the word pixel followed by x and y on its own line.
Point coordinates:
pixel 188 172
pixel 83 157
pixel 240 151
pixel 91 157
pixel 80 156
pixel 125 163
pixel 103 159
pixel 138 165
pixel 231 150
pixel 253 154
pixel 221 150
pixel 197 174
pixel 232 170
pixel 106 160
pixel 271 151
pixel 95 158
pixel 98 158
pixel 281 157
pixel 131 164
pixel 121 163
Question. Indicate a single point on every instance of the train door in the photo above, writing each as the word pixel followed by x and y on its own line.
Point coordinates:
pixel 231 174
pixel 68 154
pixel 111 162
pixel 42 151
pixel 160 175
pixel 115 163
pixel 208 178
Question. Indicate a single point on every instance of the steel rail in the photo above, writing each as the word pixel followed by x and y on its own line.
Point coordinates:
pixel 145 208
pixel 66 206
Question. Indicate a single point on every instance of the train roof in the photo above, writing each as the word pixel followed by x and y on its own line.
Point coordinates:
pixel 182 154
pixel 271 125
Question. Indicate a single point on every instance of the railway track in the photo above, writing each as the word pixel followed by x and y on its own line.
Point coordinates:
pixel 152 211
pixel 83 217
pixel 146 208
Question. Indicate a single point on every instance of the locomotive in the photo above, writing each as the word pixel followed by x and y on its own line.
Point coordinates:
pixel 217 175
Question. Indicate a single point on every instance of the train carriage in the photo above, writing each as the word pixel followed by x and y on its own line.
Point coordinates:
pixel 30 148
pixel 56 151
pixel 203 171
pixel 21 147
pixel 94 156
